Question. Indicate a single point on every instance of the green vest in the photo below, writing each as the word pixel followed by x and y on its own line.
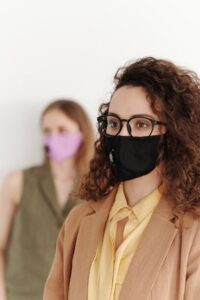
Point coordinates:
pixel 33 237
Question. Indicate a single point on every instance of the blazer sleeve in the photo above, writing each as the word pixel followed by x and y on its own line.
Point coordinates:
pixel 54 287
pixel 192 290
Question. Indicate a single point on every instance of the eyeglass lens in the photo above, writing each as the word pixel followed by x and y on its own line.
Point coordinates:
pixel 138 126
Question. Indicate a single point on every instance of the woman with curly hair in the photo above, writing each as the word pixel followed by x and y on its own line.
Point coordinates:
pixel 138 236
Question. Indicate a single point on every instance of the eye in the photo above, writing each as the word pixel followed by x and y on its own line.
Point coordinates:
pixel 47 131
pixel 142 124
pixel 112 123
pixel 62 129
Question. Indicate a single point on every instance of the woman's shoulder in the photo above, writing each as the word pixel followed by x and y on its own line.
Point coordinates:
pixel 192 219
pixel 78 212
pixel 13 178
pixel 191 226
pixel 12 186
pixel 73 221
pixel 92 206
pixel 36 169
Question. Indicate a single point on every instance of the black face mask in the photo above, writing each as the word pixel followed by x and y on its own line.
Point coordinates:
pixel 132 157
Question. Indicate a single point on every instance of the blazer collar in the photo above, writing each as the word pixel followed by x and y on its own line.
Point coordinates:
pixel 48 191
pixel 150 254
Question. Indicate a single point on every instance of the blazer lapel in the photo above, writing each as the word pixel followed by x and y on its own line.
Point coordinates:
pixel 90 234
pixel 150 254
pixel 48 190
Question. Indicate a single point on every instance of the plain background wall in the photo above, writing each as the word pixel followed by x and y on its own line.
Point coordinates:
pixel 62 48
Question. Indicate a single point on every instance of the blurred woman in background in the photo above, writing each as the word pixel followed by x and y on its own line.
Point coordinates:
pixel 35 202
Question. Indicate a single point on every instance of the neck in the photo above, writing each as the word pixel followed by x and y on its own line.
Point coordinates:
pixel 140 187
pixel 63 170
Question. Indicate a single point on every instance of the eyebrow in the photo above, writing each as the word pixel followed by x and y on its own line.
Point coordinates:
pixel 135 115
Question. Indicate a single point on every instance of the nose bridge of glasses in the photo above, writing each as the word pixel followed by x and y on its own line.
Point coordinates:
pixel 125 127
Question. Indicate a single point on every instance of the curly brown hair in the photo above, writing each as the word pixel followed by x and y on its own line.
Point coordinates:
pixel 178 92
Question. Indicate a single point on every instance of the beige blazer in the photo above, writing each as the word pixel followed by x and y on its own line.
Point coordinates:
pixel 166 265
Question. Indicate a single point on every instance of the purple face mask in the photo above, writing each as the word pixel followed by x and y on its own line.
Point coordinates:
pixel 63 145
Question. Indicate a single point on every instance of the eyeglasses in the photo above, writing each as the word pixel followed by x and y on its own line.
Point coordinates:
pixel 137 125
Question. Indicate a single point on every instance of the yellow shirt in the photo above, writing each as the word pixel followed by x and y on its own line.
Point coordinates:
pixel 112 259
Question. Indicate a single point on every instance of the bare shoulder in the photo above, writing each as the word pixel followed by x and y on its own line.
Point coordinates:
pixel 14 179
pixel 12 186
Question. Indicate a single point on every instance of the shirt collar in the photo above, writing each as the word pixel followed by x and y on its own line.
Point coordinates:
pixel 141 209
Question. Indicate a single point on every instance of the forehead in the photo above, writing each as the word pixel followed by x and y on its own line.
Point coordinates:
pixel 128 101
pixel 56 117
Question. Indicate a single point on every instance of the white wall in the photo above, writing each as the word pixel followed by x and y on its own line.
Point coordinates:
pixel 60 48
